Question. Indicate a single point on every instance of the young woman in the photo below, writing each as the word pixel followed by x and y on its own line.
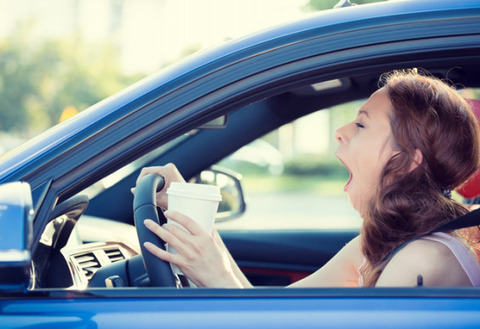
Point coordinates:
pixel 413 141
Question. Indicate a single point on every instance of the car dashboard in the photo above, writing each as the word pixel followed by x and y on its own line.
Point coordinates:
pixel 94 243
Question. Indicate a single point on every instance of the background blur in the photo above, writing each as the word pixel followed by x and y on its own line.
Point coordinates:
pixel 58 57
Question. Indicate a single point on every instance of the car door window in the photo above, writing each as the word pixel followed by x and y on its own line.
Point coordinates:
pixel 292 179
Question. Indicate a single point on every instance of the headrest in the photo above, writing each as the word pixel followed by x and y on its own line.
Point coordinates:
pixel 471 188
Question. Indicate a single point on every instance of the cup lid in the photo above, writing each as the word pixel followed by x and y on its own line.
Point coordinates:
pixel 198 191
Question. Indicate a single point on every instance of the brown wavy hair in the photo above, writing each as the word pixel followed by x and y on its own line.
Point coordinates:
pixel 430 116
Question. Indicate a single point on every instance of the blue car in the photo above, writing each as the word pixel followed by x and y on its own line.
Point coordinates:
pixel 69 251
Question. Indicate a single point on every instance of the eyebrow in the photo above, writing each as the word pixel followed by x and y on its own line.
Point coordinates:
pixel 364 112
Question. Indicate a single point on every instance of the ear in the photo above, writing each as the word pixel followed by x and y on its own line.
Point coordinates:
pixel 417 160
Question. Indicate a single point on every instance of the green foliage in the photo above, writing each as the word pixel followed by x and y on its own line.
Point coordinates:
pixel 39 79
pixel 316 166
pixel 318 184
pixel 316 5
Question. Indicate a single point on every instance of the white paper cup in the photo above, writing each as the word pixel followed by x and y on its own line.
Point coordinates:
pixel 197 201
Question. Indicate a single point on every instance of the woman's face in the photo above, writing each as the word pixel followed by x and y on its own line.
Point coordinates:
pixel 365 146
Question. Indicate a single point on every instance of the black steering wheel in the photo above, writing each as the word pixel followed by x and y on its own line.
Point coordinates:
pixel 145 207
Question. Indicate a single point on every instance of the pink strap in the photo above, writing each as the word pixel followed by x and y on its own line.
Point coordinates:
pixel 462 253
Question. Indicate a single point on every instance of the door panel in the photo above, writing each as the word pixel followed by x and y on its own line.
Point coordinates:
pixel 278 258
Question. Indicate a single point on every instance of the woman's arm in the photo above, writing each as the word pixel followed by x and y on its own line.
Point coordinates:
pixel 236 270
pixel 205 260
pixel 340 271
pixel 203 257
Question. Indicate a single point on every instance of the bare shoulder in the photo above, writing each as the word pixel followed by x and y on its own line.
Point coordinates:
pixel 434 261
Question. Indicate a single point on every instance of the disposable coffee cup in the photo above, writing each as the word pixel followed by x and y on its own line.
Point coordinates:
pixel 197 201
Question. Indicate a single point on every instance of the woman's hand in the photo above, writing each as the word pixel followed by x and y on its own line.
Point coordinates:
pixel 170 173
pixel 201 256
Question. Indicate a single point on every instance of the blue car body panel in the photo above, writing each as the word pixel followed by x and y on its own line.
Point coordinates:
pixel 207 309
pixel 178 98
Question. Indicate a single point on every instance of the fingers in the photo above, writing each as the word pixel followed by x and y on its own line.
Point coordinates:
pixel 187 239
pixel 159 252
pixel 171 232
pixel 169 172
pixel 175 236
pixel 162 232
pixel 199 257
pixel 186 222
pixel 169 238
pixel 148 170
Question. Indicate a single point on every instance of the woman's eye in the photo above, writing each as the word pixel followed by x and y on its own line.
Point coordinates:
pixel 359 125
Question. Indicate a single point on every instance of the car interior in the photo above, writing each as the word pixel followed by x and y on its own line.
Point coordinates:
pixel 91 240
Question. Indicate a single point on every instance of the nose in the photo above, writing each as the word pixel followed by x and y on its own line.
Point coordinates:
pixel 340 134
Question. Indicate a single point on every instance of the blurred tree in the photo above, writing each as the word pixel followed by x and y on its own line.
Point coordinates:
pixel 39 79
pixel 315 5
pixel 16 81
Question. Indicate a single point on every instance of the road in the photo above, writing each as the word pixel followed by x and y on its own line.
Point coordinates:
pixel 295 210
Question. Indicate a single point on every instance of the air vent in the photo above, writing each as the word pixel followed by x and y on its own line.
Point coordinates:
pixel 114 255
pixel 89 263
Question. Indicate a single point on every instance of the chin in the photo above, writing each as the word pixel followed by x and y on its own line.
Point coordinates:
pixel 352 202
pixel 358 205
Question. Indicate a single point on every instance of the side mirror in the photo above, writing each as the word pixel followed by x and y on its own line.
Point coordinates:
pixel 16 216
pixel 233 202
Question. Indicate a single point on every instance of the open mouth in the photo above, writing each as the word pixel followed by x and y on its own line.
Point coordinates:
pixel 350 173
pixel 348 182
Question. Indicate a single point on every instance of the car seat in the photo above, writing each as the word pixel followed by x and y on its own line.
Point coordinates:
pixel 471 189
